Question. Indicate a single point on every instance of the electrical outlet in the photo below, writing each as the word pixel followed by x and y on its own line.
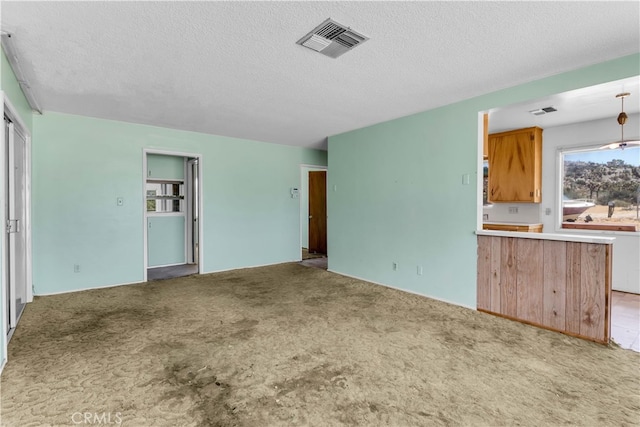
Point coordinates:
pixel 76 268
pixel 547 211
pixel 394 265
pixel 513 209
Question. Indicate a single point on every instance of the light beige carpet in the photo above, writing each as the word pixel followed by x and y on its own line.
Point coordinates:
pixel 289 345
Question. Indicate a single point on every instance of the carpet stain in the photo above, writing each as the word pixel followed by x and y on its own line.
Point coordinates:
pixel 318 378
pixel 209 394
pixel 92 329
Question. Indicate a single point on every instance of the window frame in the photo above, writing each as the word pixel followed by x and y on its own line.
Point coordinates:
pixel 559 188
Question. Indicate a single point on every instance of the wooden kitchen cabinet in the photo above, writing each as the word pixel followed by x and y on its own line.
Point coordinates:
pixel 515 166
pixel 526 228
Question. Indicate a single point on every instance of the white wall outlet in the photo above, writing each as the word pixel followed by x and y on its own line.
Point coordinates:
pixel 547 211
pixel 76 268
pixel 465 179
pixel 513 209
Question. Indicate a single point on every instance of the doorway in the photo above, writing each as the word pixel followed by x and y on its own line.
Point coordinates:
pixel 318 212
pixel 172 215
pixel 313 212
pixel 16 241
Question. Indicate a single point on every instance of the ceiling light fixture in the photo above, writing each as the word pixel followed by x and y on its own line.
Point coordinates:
pixel 622 119
pixel 12 57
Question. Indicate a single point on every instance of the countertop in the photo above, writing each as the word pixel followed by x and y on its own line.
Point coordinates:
pixel 548 236
pixel 519 224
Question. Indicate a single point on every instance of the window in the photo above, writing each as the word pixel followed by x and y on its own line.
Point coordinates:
pixel 165 196
pixel 601 189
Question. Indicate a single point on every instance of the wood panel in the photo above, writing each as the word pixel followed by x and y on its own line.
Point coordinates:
pixel 508 277
pixel 530 267
pixel 591 293
pixel 484 273
pixel 572 309
pixel 562 286
pixel 555 284
pixel 496 292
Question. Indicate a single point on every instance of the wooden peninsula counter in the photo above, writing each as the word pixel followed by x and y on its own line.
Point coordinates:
pixel 554 281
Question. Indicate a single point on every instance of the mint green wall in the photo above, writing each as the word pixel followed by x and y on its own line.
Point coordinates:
pixel 165 167
pixel 81 165
pixel 400 195
pixel 12 90
pixel 166 239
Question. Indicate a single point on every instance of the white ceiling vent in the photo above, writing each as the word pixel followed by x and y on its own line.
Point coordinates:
pixel 542 111
pixel 332 39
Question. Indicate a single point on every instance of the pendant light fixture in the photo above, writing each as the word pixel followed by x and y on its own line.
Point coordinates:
pixel 622 119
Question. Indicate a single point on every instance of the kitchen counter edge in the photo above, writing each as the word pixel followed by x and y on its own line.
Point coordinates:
pixel 548 236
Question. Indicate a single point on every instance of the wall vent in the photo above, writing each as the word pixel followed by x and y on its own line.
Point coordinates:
pixel 542 111
pixel 332 39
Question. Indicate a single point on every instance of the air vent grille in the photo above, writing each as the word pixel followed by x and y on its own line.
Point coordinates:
pixel 316 43
pixel 348 39
pixel 330 31
pixel 542 111
pixel 332 39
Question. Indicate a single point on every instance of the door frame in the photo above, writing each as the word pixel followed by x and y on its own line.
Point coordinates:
pixel 11 111
pixel 198 156
pixel 308 168
pixel 189 202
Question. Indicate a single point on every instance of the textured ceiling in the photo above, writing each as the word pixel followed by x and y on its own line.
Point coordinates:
pixel 234 69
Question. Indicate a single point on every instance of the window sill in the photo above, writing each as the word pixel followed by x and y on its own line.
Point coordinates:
pixel 600 227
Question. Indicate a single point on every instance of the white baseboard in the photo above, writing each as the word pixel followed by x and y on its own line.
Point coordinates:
pixel 405 290
pixel 88 289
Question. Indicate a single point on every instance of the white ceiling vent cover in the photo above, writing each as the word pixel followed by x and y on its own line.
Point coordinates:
pixel 332 39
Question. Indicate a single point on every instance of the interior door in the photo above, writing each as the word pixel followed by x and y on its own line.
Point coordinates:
pixel 318 212
pixel 16 256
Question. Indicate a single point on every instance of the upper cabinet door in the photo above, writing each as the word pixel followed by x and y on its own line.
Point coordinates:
pixel 515 166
